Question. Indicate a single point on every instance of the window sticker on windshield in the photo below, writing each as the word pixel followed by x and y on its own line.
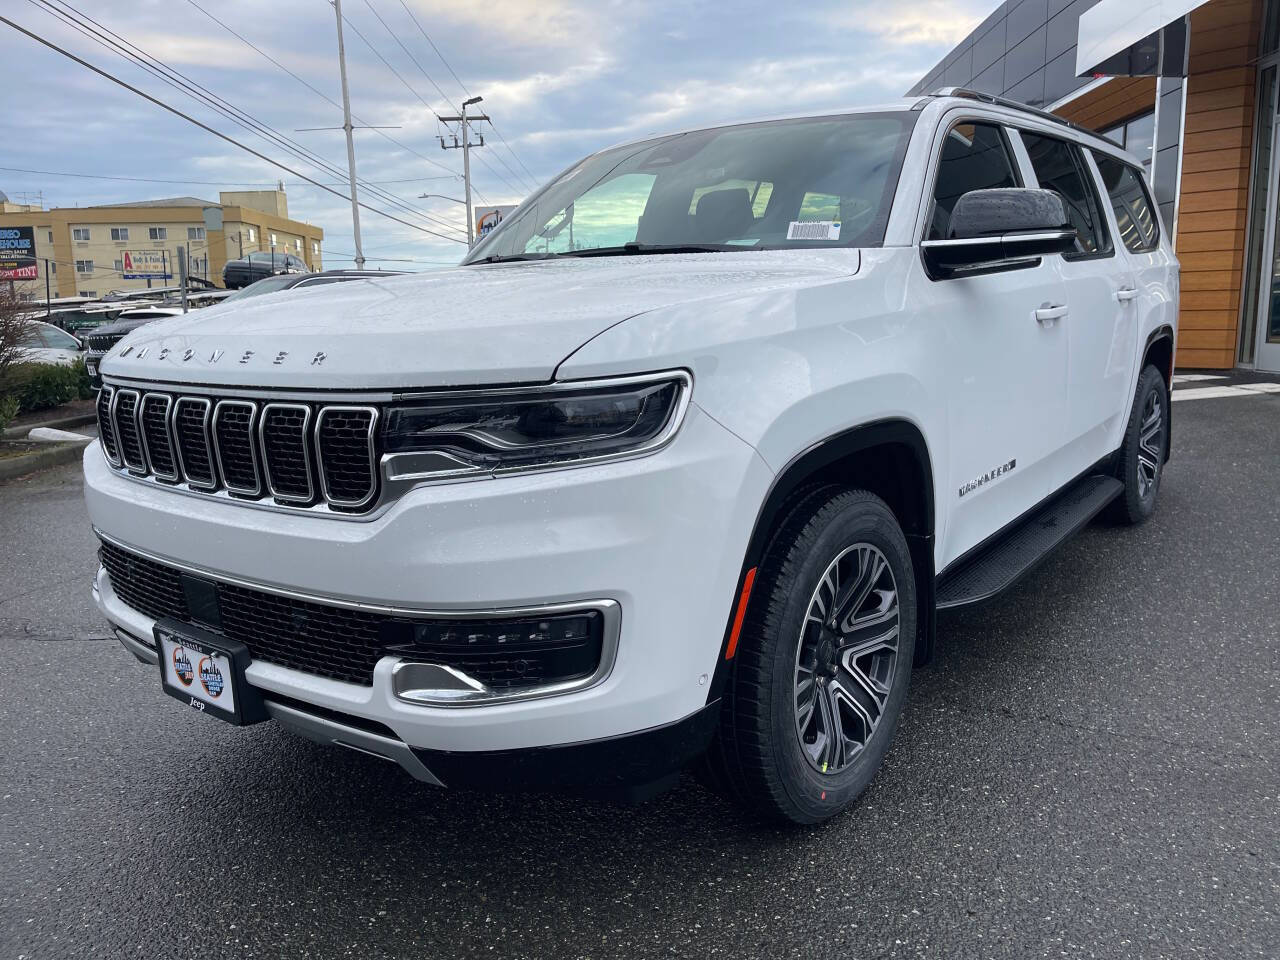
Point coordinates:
pixel 814 230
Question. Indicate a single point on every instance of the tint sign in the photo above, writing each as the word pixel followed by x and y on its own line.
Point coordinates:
pixel 18 253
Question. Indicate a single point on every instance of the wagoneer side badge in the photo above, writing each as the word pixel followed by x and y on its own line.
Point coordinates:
pixel 987 477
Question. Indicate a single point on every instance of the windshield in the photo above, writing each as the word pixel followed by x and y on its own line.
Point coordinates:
pixel 825 182
pixel 266 285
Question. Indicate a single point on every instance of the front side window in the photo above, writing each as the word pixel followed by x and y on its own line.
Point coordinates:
pixel 158 233
pixel 1059 167
pixel 1135 213
pixel 785 184
pixel 975 156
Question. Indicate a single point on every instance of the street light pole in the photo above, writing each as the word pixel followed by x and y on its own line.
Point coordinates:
pixel 351 148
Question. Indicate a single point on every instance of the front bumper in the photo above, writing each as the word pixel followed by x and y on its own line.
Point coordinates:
pixel 662 535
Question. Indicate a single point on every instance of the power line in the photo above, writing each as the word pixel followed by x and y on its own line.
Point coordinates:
pixel 503 140
pixel 205 183
pixel 176 79
pixel 208 129
pixel 412 90
pixel 114 42
pixel 317 92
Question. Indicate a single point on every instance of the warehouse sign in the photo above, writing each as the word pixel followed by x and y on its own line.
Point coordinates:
pixel 488 218
pixel 18 253
pixel 145 265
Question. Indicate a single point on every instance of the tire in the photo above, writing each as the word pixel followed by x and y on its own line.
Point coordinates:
pixel 776 750
pixel 1142 452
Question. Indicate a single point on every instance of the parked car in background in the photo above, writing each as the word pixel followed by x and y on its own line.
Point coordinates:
pixel 292 281
pixel 241 273
pixel 103 338
pixel 45 343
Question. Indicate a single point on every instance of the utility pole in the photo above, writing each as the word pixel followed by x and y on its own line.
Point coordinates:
pixel 466 146
pixel 351 148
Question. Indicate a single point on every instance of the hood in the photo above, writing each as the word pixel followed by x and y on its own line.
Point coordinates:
pixel 489 324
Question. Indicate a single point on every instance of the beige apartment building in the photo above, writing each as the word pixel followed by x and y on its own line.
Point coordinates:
pixel 85 248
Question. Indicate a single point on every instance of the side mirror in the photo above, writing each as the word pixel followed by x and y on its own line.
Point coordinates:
pixel 998 230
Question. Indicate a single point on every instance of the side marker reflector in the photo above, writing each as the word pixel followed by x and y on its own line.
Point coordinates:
pixel 741 613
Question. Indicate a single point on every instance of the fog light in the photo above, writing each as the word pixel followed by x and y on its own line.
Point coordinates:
pixel 505 654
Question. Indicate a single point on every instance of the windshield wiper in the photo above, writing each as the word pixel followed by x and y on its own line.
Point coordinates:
pixel 637 249
pixel 513 257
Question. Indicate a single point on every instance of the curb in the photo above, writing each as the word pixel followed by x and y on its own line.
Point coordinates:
pixel 14 467
pixel 79 420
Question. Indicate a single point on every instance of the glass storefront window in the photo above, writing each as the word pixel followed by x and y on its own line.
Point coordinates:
pixel 1253 278
pixel 1137 135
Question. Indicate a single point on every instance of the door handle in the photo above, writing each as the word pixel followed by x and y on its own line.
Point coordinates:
pixel 1125 294
pixel 1047 313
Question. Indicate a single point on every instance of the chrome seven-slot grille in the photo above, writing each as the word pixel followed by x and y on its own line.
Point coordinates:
pixel 295 454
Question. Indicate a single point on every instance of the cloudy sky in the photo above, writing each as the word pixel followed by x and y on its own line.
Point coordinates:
pixel 560 78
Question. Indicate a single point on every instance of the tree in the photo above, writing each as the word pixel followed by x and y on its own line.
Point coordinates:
pixel 14 331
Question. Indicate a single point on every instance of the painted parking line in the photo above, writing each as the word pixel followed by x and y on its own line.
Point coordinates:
pixel 1192 377
pixel 1214 393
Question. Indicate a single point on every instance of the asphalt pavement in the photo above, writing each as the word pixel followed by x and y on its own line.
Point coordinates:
pixel 1091 768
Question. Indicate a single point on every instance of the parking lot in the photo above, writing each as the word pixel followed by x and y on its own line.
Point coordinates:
pixel 1090 768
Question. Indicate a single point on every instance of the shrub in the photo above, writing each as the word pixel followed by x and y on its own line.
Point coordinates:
pixel 39 386
pixel 8 410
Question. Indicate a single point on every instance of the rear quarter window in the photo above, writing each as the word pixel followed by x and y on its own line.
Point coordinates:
pixel 1136 217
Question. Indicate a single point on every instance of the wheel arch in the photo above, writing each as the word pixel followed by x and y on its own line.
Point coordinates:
pixel 887 457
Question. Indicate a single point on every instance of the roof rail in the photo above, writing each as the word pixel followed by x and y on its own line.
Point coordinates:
pixel 967 94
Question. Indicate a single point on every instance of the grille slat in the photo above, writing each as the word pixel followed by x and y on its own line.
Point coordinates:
pixel 344 437
pixel 154 421
pixel 286 451
pixel 191 432
pixel 234 444
pixel 303 455
pixel 106 432
pixel 125 409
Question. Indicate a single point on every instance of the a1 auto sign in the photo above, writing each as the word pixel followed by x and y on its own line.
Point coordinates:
pixel 145 265
pixel 18 253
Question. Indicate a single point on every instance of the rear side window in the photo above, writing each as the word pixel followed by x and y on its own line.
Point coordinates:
pixel 975 156
pixel 1135 213
pixel 1059 167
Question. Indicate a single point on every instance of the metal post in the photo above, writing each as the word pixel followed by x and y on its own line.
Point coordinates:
pixel 48 297
pixel 351 148
pixel 182 275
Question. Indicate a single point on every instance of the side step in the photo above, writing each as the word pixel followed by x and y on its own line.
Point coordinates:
pixel 1019 550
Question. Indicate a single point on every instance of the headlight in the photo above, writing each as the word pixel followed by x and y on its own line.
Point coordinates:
pixel 521 429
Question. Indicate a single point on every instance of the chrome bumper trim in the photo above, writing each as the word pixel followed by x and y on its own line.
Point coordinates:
pixel 331 733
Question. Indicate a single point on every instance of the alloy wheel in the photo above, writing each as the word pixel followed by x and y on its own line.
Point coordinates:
pixel 1150 444
pixel 846 658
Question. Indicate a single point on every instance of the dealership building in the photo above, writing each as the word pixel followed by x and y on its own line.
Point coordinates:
pixel 89 251
pixel 1191 89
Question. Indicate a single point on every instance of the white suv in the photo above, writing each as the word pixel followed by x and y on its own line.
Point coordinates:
pixel 677 467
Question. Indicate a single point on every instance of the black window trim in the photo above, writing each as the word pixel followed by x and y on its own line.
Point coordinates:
pixel 1146 194
pixel 1091 182
pixel 935 166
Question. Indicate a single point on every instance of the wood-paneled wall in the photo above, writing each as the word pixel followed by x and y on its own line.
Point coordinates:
pixel 1217 151
pixel 1216 154
pixel 1116 100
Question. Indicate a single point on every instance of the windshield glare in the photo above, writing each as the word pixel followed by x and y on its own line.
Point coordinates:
pixel 783 184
